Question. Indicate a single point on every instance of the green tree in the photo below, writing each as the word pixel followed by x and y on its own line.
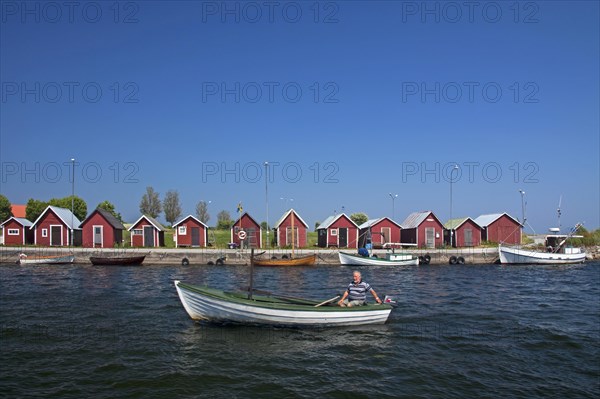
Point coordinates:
pixel 172 206
pixel 224 221
pixel 79 205
pixel 359 218
pixel 34 209
pixel 150 204
pixel 5 209
pixel 202 211
pixel 108 206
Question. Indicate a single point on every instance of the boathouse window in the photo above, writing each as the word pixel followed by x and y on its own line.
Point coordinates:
pixel 137 232
pixel 44 232
pixel 334 232
pixel 13 232
pixel 182 230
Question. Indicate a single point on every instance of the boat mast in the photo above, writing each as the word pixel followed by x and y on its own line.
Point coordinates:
pixel 72 202
pixel 559 212
pixel 293 234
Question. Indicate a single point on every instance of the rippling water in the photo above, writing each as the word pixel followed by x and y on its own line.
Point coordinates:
pixel 460 331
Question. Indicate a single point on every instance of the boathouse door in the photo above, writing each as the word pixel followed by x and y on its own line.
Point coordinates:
pixel 148 236
pixel 97 236
pixel 342 237
pixel 430 237
pixel 468 237
pixel 195 236
pixel 56 235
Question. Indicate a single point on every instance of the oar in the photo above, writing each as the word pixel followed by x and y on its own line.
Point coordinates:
pixel 327 301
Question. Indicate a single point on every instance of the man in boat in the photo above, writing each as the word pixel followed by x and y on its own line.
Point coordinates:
pixel 356 294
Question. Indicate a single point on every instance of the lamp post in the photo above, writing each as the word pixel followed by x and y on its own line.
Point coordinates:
pixel 267 198
pixel 393 197
pixel 452 221
pixel 72 197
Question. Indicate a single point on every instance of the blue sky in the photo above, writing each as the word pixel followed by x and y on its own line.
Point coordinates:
pixel 349 101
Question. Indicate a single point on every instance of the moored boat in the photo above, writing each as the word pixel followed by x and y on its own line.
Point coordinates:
pixel 117 260
pixel 46 260
pixel 309 260
pixel 208 304
pixel 391 259
pixel 512 255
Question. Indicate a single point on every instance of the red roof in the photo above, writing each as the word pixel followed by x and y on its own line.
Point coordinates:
pixel 18 211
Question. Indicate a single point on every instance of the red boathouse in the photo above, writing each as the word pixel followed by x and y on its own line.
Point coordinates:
pixel 500 228
pixel 246 231
pixel 16 231
pixel 101 229
pixel 381 233
pixel 147 232
pixel 190 232
pixel 53 227
pixel 338 231
pixel 423 230
pixel 283 230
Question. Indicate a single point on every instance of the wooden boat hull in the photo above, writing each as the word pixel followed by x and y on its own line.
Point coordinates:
pixel 46 260
pixel 518 256
pixel 202 303
pixel 404 260
pixel 302 261
pixel 117 260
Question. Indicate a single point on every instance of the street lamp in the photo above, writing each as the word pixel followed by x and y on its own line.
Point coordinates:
pixel 452 221
pixel 393 197
pixel 286 201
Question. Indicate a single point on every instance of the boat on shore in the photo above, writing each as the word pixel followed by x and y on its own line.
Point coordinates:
pixel 46 260
pixel 212 305
pixel 391 259
pixel 309 260
pixel 117 260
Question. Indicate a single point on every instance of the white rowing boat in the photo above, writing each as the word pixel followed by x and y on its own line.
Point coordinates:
pixel 46 260
pixel 203 303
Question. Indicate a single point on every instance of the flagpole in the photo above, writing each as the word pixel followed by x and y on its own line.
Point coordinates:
pixel 267 199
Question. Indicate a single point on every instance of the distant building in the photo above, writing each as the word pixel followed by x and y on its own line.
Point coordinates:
pixel 16 231
pixel 338 231
pixel 467 233
pixel 499 228
pixel 190 232
pixel 382 232
pixel 147 232
pixel 423 229
pixel 101 229
pixel 249 229
pixel 283 230
pixel 18 210
pixel 53 227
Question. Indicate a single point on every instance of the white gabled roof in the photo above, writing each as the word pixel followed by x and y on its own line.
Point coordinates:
pixel 415 219
pixel 193 217
pixel 63 214
pixel 150 219
pixel 486 220
pixel 373 222
pixel 332 219
pixel 285 215
pixel 22 221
